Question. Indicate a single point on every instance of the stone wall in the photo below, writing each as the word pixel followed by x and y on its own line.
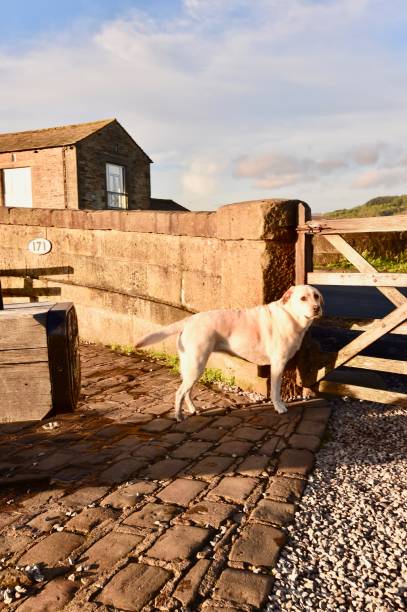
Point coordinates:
pixel 113 145
pixel 53 175
pixel 135 271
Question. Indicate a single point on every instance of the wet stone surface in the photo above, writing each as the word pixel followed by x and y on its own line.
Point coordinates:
pixel 119 507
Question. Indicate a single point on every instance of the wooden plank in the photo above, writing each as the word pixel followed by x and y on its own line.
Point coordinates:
pixel 23 355
pixel 355 225
pixel 31 292
pixel 363 393
pixel 42 306
pixel 394 366
pixel 25 310
pixel 400 329
pixel 360 325
pixel 25 392
pixel 303 249
pixel 368 337
pixel 20 329
pixel 37 272
pixel 362 265
pixel 377 279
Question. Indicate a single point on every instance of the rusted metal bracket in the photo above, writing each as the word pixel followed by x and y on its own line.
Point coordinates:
pixel 311 229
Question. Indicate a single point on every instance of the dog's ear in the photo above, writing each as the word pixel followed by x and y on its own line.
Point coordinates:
pixel 287 295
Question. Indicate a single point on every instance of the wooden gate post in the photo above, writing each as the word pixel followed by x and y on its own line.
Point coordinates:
pixel 303 247
pixel 292 383
pixel 310 349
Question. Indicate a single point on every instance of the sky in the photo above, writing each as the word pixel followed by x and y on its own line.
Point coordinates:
pixel 233 100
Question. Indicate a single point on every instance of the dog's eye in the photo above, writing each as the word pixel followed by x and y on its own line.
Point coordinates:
pixel 303 299
pixel 316 296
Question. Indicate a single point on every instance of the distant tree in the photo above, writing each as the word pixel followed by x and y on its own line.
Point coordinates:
pixel 381 206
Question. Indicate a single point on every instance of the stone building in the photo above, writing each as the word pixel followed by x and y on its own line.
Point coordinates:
pixel 94 165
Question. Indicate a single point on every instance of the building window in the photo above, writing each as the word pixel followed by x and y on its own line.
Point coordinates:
pixel 17 187
pixel 116 186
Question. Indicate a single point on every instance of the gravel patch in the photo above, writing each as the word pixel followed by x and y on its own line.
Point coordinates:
pixel 347 546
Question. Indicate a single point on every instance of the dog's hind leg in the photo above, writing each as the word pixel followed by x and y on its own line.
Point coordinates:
pixel 183 394
pixel 190 404
pixel 192 365
pixel 276 373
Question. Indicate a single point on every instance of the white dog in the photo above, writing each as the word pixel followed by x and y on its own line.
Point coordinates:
pixel 269 334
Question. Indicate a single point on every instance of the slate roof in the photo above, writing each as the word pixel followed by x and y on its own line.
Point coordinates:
pixel 50 137
pixel 166 204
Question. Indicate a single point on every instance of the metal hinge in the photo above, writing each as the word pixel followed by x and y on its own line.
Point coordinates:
pixel 314 229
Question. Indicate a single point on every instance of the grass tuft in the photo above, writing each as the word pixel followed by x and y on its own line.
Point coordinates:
pixel 213 375
pixel 209 377
pixel 398 263
pixel 124 349
pixel 171 361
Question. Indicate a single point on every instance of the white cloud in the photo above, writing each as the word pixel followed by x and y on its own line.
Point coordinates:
pixel 276 182
pixel 378 178
pixel 367 154
pixel 276 170
pixel 200 180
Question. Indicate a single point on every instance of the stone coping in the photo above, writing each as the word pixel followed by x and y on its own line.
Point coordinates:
pixel 272 219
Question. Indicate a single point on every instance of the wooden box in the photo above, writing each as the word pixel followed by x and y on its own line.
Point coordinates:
pixel 39 360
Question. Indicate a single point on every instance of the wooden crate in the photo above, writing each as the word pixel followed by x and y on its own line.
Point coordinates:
pixel 39 360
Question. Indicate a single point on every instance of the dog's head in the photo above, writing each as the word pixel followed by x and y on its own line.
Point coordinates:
pixel 304 301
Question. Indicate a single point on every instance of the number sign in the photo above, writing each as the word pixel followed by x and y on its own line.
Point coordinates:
pixel 39 246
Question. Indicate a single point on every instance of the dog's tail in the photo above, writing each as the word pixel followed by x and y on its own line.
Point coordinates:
pixel 170 330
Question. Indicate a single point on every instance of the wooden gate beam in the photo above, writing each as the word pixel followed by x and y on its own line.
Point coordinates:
pixel 364 340
pixel 355 279
pixel 393 366
pixel 395 296
pixel 362 326
pixel 361 225
pixel 364 393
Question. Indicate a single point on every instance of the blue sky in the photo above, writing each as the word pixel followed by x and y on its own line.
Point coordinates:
pixel 25 20
pixel 232 99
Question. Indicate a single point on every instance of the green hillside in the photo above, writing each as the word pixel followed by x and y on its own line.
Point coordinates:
pixel 377 207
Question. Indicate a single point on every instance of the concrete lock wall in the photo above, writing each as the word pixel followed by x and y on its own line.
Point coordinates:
pixel 135 271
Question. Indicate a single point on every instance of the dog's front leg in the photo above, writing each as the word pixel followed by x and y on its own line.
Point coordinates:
pixel 276 374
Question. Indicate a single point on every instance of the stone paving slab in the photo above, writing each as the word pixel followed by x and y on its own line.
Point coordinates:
pixel 258 545
pixel 123 508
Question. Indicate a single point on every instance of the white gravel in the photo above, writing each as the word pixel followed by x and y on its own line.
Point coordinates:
pixel 347 546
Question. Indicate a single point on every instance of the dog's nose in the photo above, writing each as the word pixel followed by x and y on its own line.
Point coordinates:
pixel 317 309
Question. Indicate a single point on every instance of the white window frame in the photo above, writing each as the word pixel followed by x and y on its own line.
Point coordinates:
pixel 22 174
pixel 117 198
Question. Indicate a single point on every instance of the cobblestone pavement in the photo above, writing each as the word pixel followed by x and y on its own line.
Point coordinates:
pixel 119 507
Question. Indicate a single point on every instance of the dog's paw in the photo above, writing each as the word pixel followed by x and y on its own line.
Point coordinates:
pixel 308 393
pixel 280 408
pixel 179 418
